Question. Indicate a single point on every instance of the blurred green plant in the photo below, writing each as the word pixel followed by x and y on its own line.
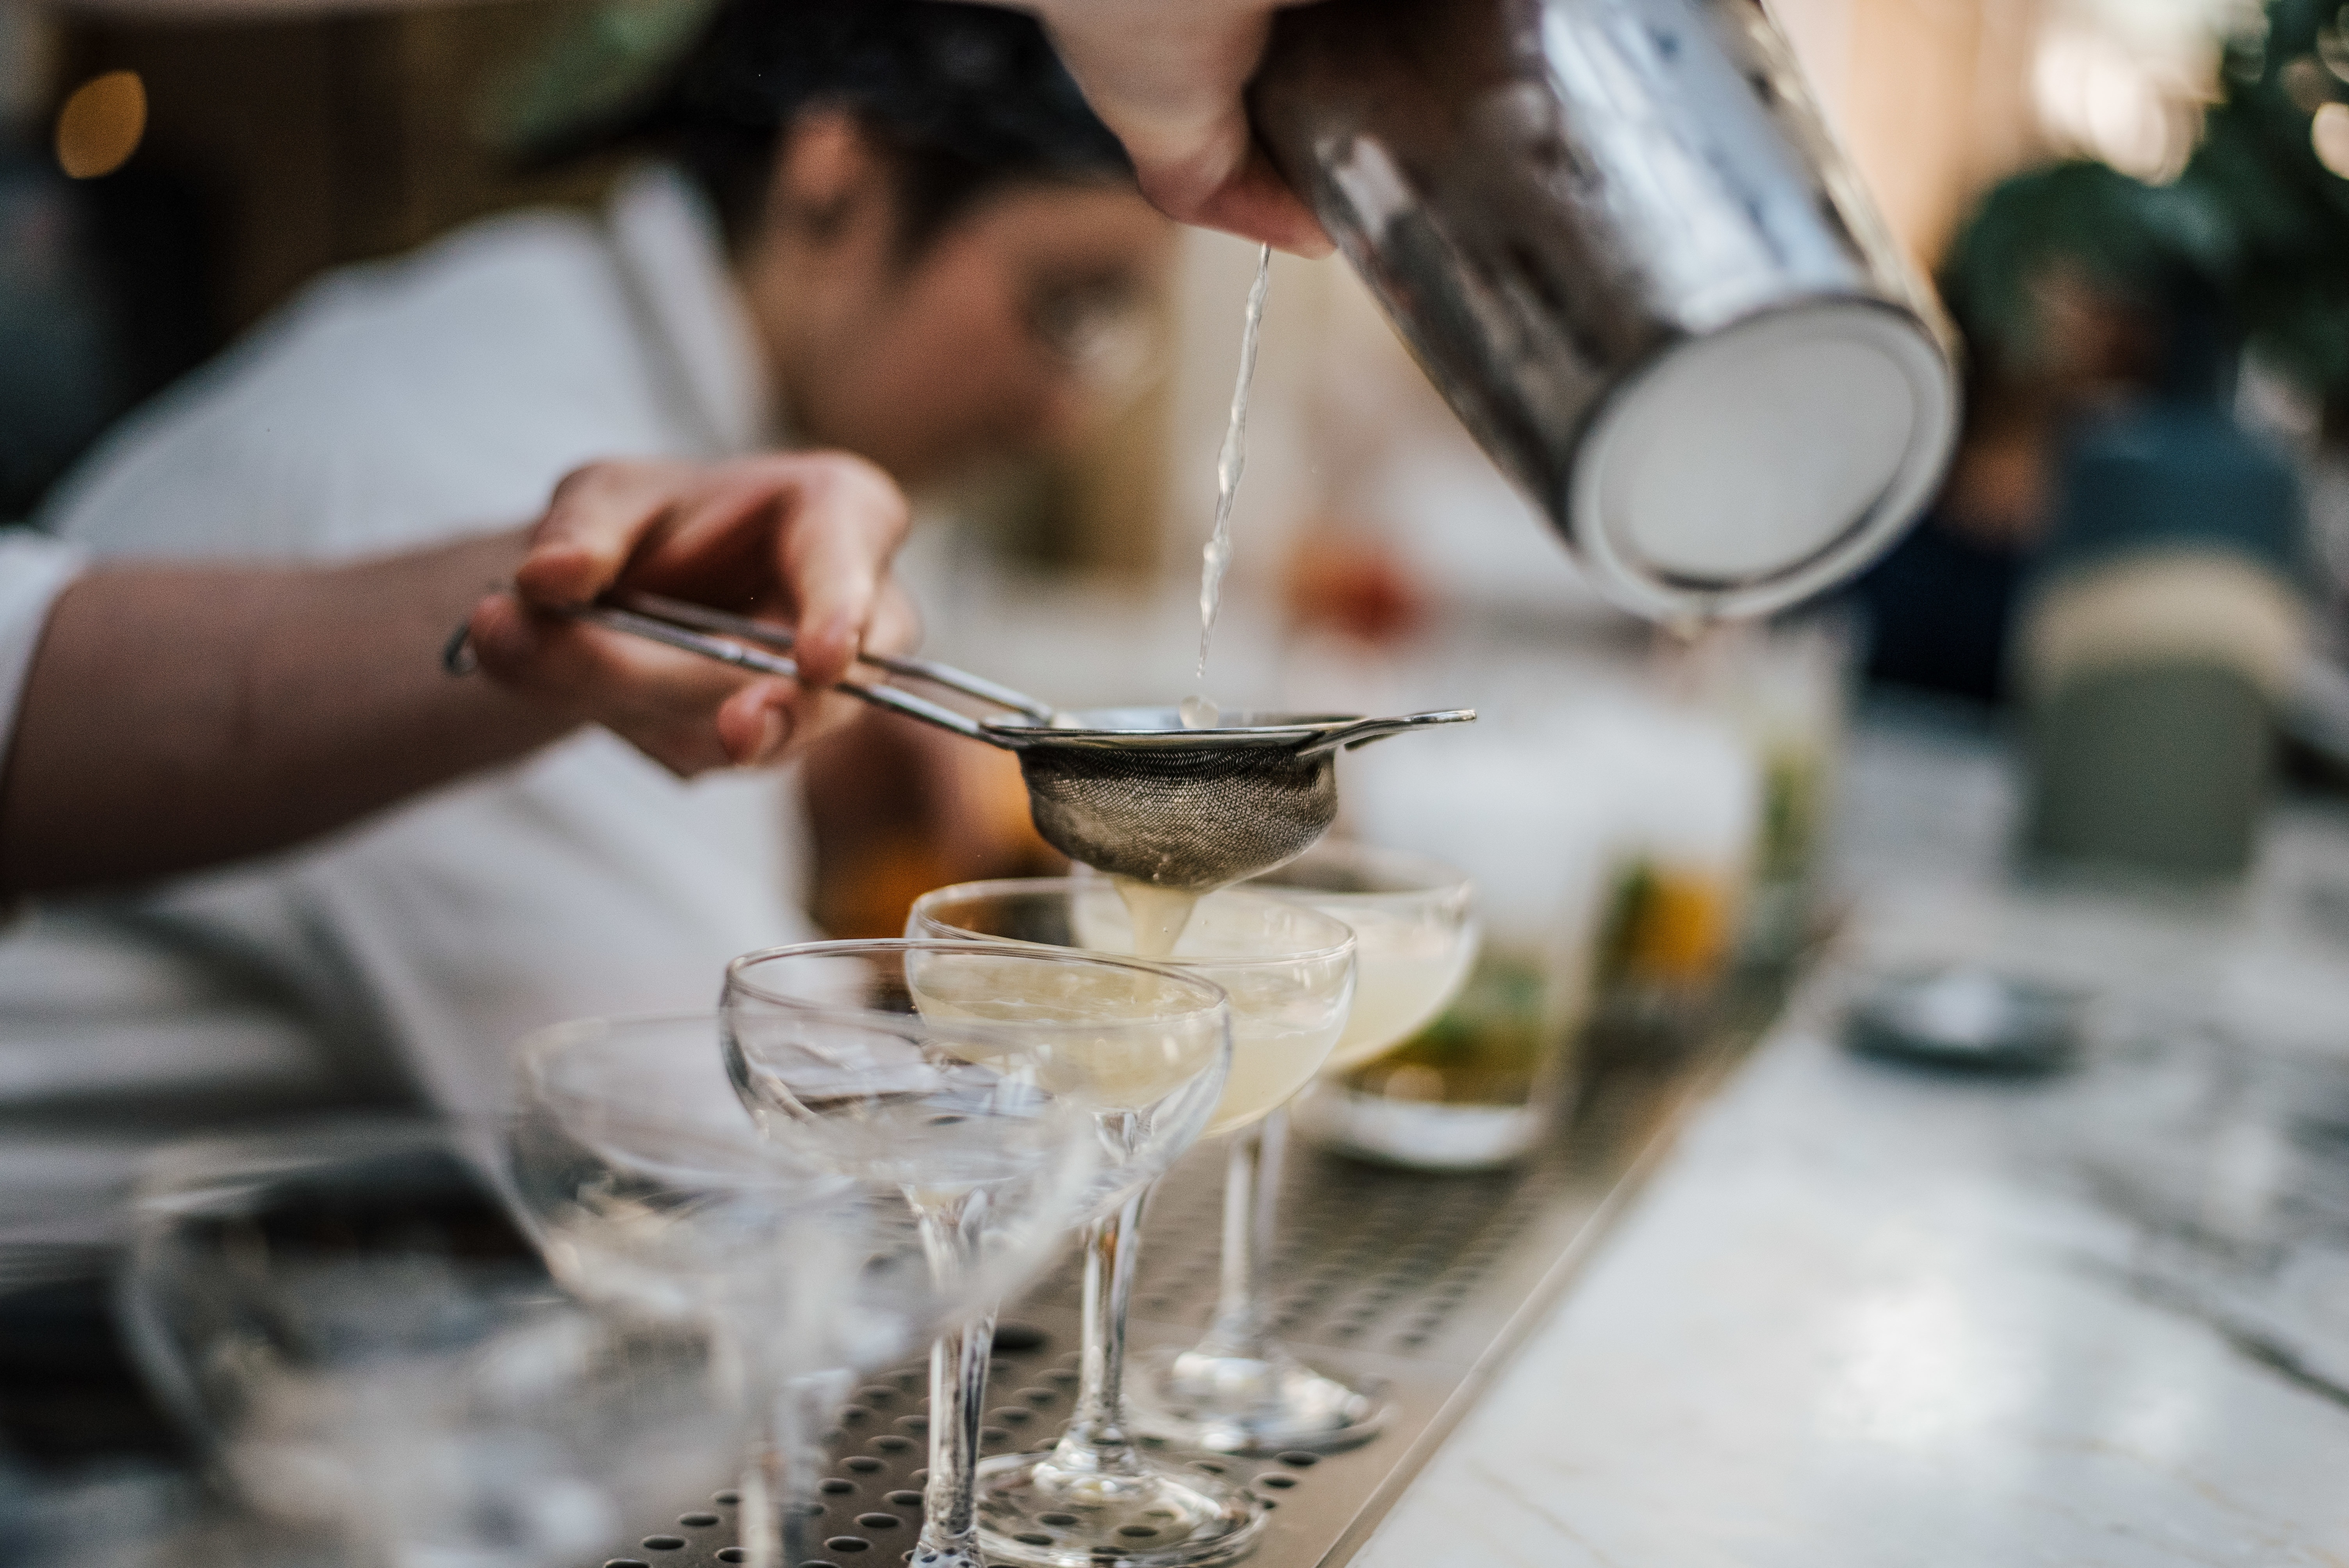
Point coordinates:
pixel 2256 216
pixel 2125 237
pixel 2258 174
pixel 602 59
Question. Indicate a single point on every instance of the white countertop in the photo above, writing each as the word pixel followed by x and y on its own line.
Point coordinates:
pixel 1873 1315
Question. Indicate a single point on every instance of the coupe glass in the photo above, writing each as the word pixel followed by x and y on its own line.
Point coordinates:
pixel 649 1187
pixel 1138 1052
pixel 363 1347
pixel 1289 971
pixel 797 1231
pixel 1239 1390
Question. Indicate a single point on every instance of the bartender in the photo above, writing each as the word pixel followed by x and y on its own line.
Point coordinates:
pixel 124 759
pixel 873 233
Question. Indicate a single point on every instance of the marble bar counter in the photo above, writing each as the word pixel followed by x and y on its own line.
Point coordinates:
pixel 1876 1313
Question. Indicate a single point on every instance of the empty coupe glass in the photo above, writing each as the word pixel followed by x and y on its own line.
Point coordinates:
pixel 650 1187
pixel 362 1345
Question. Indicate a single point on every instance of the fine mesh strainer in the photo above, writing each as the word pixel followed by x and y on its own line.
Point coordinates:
pixel 1129 792
pixel 1126 791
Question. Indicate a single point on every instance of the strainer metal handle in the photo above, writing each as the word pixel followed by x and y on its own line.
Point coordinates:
pixel 685 613
pixel 718 634
pixel 637 623
pixel 1369 729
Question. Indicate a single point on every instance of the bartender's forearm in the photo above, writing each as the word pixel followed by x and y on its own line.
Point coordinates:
pixel 176 717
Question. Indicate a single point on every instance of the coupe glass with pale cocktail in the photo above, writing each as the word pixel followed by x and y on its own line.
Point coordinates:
pixel 1095 1495
pixel 1239 1389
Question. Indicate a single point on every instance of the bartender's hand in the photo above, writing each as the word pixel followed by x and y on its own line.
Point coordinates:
pixel 178 715
pixel 802 538
pixel 1167 75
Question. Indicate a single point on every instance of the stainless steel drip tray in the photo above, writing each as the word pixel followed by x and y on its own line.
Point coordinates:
pixel 1426 1283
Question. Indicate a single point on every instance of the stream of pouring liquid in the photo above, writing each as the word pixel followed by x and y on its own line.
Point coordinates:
pixel 1218 555
pixel 1159 913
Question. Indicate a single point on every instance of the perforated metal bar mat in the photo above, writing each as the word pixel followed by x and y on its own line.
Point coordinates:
pixel 1425 1282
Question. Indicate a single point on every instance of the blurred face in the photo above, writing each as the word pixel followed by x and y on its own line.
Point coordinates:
pixel 1015 324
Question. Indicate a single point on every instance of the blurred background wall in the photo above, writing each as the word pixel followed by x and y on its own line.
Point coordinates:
pixel 274 146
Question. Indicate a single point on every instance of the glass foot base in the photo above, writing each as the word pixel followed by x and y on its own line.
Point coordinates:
pixel 940 1557
pixel 1150 1515
pixel 1246 1404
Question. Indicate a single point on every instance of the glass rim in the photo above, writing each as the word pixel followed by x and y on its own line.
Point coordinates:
pixel 536 1071
pixel 536 1044
pixel 1215 1000
pixel 1001 886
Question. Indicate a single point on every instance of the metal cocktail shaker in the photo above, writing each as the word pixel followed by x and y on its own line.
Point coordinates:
pixel 1622 243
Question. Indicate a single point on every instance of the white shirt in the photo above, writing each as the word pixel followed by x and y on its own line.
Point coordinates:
pixel 399 404
pixel 34 570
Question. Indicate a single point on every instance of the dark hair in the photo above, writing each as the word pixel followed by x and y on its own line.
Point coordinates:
pixel 961 99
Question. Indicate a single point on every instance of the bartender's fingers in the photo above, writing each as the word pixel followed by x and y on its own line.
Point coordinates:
pixel 834 556
pixel 1257 204
pixel 821 525
pixel 756 724
pixel 663 702
pixel 765 718
pixel 816 528
pixel 1214 175
pixel 1167 76
pixel 599 517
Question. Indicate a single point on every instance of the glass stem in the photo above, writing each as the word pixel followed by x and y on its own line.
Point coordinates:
pixel 1096 1440
pixel 1251 1211
pixel 950 1228
pixel 775 1513
pixel 958 1390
